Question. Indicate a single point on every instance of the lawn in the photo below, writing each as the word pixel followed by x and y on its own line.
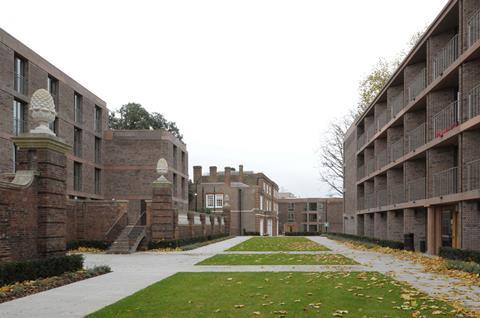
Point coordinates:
pixel 278 259
pixel 278 243
pixel 268 294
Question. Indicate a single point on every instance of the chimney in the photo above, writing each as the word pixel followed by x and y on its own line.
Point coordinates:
pixel 227 179
pixel 213 173
pixel 240 173
pixel 197 174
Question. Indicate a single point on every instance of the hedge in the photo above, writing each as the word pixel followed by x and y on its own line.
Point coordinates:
pixel 365 239
pixel 459 255
pixel 183 242
pixel 247 233
pixel 13 272
pixel 101 245
pixel 469 267
pixel 303 233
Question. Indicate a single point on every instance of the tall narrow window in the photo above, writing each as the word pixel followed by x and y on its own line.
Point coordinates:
pixel 52 87
pixel 98 150
pixel 77 142
pixel 77 101
pixel 77 176
pixel 98 120
pixel 174 156
pixel 184 165
pixel 19 124
pixel 183 187
pixel 98 188
pixel 20 80
pixel 174 184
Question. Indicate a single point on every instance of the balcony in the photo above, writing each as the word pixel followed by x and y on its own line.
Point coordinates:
pixel 397 105
pixel 360 172
pixel 445 57
pixel 370 166
pixel 370 132
pixel 473 28
pixel 382 197
pixel 382 120
pixel 396 193
pixel 416 137
pixel 445 182
pixel 416 189
pixel 396 150
pixel 472 177
pixel 360 141
pixel 445 120
pixel 382 159
pixel 474 102
pixel 20 84
pixel 370 200
pixel 360 203
pixel 418 85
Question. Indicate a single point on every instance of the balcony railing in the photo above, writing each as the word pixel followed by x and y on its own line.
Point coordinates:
pixel 382 197
pixel 445 120
pixel 447 55
pixel 360 172
pixel 396 193
pixel 370 131
pixel 416 137
pixel 396 150
pixel 382 120
pixel 445 182
pixel 360 203
pixel 360 141
pixel 474 102
pixel 473 28
pixel 397 105
pixel 416 189
pixel 381 159
pixel 418 85
pixel 473 175
pixel 370 200
pixel 370 166
pixel 20 83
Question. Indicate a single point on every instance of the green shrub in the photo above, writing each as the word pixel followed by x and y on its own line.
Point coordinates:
pixel 183 242
pixel 371 240
pixel 303 233
pixel 247 233
pixel 470 267
pixel 458 254
pixel 101 245
pixel 13 272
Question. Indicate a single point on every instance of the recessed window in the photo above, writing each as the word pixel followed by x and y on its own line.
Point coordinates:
pixel 291 206
pixel 313 217
pixel 97 121
pixel 291 216
pixel 52 87
pixel 77 142
pixel 175 184
pixel 214 201
pixel 313 228
pixel 183 187
pixel 19 123
pixel 98 187
pixel 184 165
pixel 77 102
pixel 312 206
pixel 20 75
pixel 175 156
pixel 77 176
pixel 98 150
pixel 305 217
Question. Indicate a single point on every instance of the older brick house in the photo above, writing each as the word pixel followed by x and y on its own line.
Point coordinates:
pixel 412 159
pixel 252 197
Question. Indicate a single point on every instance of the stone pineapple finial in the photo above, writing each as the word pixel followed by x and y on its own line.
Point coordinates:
pixel 162 170
pixel 43 111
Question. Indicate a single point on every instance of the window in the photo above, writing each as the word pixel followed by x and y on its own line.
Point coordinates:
pixel 77 176
pixel 183 187
pixel 97 120
pixel 14 157
pixel 305 206
pixel 98 150
pixel 305 228
pixel 175 184
pixel 291 216
pixel 20 80
pixel 52 87
pixel 291 206
pixel 175 156
pixel 98 187
pixel 184 166
pixel 261 202
pixel 312 206
pixel 19 123
pixel 320 206
pixel 214 201
pixel 313 228
pixel 77 142
pixel 77 101
pixel 305 217
pixel 313 217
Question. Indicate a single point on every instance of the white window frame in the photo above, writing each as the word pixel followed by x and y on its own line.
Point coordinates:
pixel 214 201
pixel 261 202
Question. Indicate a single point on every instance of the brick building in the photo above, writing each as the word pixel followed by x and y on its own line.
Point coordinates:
pixel 104 164
pixel 252 198
pixel 310 214
pixel 412 159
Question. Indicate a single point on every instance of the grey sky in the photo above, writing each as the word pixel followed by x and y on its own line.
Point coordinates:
pixel 252 82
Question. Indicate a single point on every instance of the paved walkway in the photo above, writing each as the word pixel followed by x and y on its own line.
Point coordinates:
pixel 137 271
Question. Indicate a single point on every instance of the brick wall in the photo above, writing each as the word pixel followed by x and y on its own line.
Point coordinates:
pixel 470 218
pixel 380 225
pixel 395 225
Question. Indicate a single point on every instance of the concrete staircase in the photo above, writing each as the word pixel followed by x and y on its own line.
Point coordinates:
pixel 129 239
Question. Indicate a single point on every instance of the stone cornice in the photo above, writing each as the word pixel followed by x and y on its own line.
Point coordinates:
pixel 41 141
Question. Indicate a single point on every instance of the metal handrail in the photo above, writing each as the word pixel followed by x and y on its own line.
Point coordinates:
pixel 474 102
pixel 396 150
pixel 473 28
pixel 417 85
pixel 360 141
pixel 446 119
pixel 416 189
pixel 382 197
pixel 397 105
pixel 473 175
pixel 108 234
pixel 416 137
pixel 382 159
pixel 396 193
pixel 447 55
pixel 371 131
pixel 382 120
pixel 445 182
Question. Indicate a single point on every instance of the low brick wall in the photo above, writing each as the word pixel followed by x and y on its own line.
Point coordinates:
pixel 91 220
pixel 204 225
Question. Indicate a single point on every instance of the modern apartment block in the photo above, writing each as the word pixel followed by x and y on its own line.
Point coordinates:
pixel 252 198
pixel 412 159
pixel 310 214
pixel 103 164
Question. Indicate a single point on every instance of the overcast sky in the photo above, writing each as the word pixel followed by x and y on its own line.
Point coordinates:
pixel 248 82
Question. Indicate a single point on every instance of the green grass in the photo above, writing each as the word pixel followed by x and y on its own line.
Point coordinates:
pixel 278 259
pixel 268 294
pixel 277 244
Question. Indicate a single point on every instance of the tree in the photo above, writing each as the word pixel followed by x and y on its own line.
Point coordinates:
pixel 134 116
